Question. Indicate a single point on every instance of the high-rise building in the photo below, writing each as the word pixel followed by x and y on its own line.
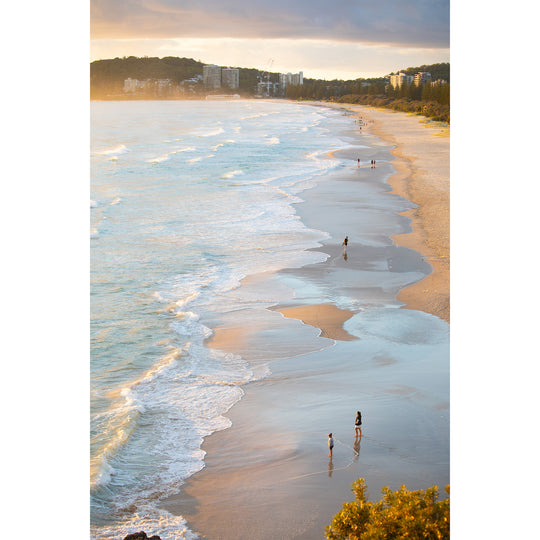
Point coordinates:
pixel 230 77
pixel 401 78
pixel 212 76
pixel 297 78
pixel 422 77
pixel 289 78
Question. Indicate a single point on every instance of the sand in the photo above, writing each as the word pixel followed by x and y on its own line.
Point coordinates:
pixel 269 476
pixel 327 317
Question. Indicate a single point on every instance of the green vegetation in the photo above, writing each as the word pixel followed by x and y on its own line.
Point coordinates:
pixel 107 76
pixel 438 71
pixel 401 514
pixel 429 100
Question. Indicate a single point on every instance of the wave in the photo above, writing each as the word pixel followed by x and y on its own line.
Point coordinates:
pixel 272 140
pixel 212 133
pixel 116 200
pixel 115 426
pixel 159 159
pixel 151 520
pixel 181 150
pixel 167 156
pixel 253 116
pixel 231 174
pixel 120 149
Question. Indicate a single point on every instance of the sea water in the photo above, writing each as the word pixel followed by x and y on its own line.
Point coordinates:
pixel 187 198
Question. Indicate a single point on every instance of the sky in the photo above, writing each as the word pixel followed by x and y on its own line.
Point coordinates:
pixel 325 39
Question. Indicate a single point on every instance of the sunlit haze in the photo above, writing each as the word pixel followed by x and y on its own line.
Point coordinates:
pixel 316 58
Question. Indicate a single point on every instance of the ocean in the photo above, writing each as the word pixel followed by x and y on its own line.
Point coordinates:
pixel 187 199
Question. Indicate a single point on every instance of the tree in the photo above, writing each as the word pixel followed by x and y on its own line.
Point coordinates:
pixel 400 514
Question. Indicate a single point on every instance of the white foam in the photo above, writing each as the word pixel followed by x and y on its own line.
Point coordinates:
pixel 150 520
pixel 120 149
pixel 159 159
pixel 116 200
pixel 181 150
pixel 272 140
pixel 232 174
pixel 213 132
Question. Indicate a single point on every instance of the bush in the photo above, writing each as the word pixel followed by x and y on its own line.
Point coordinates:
pixel 430 109
pixel 400 514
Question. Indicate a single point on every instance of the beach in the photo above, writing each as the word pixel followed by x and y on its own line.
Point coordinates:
pixel 364 330
pixel 422 176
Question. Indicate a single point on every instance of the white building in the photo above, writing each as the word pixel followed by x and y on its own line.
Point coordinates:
pixel 133 85
pixel 401 78
pixel 422 77
pixel 212 76
pixel 230 77
pixel 286 79
pixel 297 78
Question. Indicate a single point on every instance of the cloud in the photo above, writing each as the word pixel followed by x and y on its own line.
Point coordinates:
pixel 405 23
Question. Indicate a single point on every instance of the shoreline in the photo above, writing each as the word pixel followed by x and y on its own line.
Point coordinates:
pixel 424 179
pixel 268 475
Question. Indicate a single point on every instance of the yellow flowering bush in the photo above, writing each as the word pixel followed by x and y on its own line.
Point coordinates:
pixel 401 514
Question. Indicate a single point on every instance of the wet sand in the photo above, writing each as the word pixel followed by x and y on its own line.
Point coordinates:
pixel 342 342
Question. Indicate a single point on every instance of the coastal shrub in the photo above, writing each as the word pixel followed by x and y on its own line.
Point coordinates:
pixel 430 109
pixel 399 514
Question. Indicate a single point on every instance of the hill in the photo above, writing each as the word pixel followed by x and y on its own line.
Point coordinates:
pixel 438 71
pixel 107 76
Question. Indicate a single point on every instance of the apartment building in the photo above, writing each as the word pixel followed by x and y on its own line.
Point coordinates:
pixel 422 77
pixel 230 77
pixel 286 79
pixel 401 78
pixel 212 76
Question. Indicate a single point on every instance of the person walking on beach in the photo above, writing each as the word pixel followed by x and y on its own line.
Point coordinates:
pixel 358 424
pixel 330 444
pixel 358 162
pixel 345 242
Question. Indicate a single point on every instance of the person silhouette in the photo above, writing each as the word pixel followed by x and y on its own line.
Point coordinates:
pixel 358 424
pixel 345 242
pixel 330 445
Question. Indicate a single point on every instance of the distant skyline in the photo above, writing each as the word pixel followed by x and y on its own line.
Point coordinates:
pixel 343 39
